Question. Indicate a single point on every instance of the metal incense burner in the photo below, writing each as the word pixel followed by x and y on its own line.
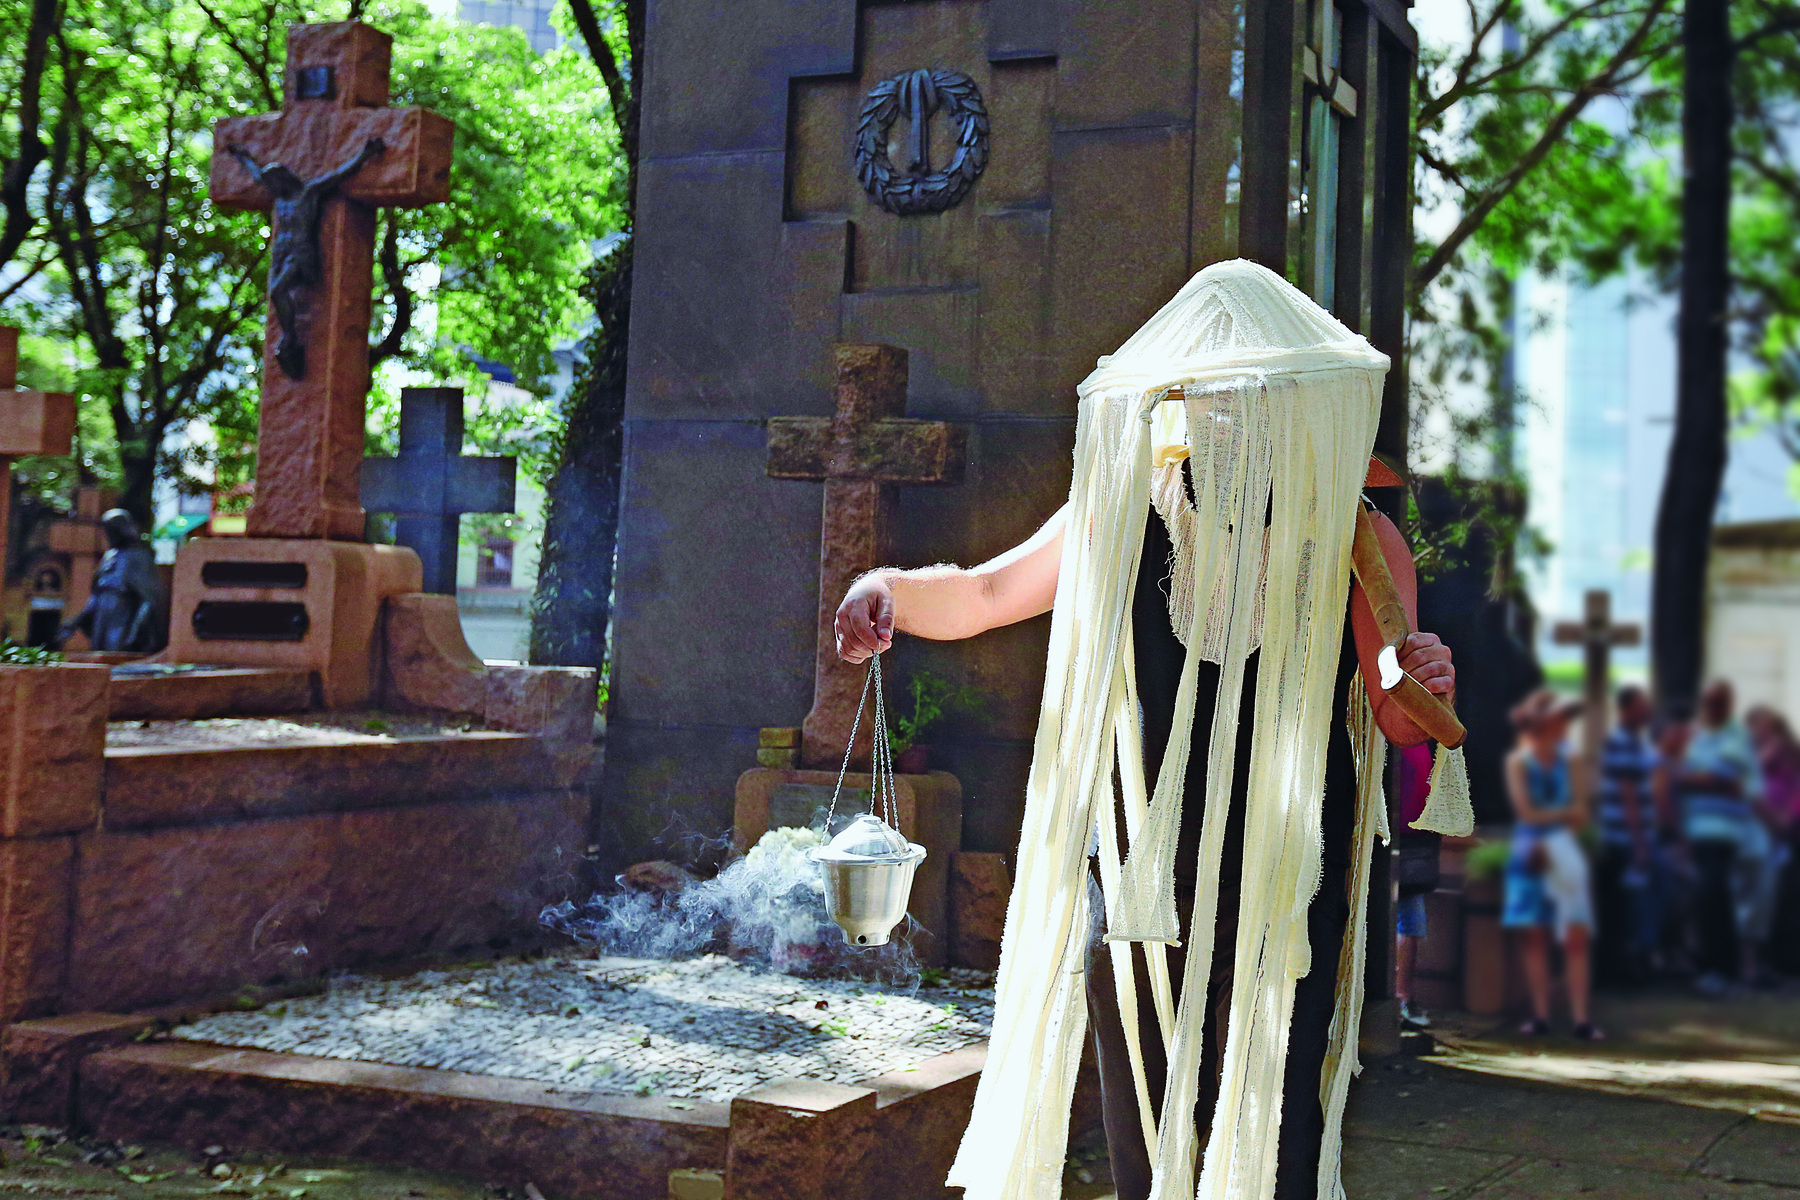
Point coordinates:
pixel 868 867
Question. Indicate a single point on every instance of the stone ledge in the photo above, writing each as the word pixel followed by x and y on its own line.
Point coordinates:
pixel 37 886
pixel 156 787
pixel 38 1061
pixel 216 692
pixel 52 730
pixel 163 915
pixel 576 1144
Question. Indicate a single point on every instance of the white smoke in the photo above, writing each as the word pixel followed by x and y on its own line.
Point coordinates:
pixel 767 907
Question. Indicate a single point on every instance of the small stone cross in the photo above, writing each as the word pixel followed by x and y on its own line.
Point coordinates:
pixel 30 422
pixel 310 439
pixel 860 453
pixel 1596 635
pixel 430 485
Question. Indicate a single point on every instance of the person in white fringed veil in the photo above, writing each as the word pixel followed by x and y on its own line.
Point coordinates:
pixel 1166 681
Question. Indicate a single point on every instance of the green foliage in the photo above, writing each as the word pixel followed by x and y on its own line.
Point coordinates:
pixel 14 654
pixel 152 300
pixel 1525 132
pixel 1487 860
pixel 933 699
pixel 1608 194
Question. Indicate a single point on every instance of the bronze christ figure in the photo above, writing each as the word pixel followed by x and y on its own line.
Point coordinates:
pixel 296 260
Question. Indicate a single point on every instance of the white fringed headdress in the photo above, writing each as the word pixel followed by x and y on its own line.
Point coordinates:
pixel 1275 404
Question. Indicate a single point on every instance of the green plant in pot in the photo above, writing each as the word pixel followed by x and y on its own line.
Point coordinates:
pixel 932 699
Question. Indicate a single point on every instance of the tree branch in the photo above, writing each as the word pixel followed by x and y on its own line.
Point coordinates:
pixel 1779 24
pixel 258 69
pixel 621 80
pixel 393 274
pixel 1559 124
pixel 15 182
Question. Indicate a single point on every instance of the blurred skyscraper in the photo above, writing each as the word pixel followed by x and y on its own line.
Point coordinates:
pixel 531 16
pixel 1596 373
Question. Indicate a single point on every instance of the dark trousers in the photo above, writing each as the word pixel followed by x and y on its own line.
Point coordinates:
pixel 1715 915
pixel 1617 957
pixel 1784 935
pixel 1315 999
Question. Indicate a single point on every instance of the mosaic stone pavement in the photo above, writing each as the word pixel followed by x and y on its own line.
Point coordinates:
pixel 700 1029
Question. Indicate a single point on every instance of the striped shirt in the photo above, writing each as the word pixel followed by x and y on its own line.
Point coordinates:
pixel 1627 758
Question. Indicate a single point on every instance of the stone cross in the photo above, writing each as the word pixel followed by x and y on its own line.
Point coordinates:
pixel 430 485
pixel 1596 635
pixel 310 440
pixel 860 453
pixel 30 422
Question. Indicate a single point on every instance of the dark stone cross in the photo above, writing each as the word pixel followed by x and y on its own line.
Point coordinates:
pixel 861 453
pixel 335 107
pixel 1596 635
pixel 430 485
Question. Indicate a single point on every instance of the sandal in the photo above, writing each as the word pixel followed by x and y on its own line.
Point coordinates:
pixel 1587 1031
pixel 1535 1027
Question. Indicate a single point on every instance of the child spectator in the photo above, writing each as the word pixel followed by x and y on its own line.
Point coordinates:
pixel 1547 875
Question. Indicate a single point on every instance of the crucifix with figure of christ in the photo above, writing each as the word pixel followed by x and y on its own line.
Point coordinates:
pixel 322 165
pixel 1596 635
pixel 861 453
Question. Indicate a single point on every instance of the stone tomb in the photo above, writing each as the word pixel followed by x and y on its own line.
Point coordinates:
pixel 163 839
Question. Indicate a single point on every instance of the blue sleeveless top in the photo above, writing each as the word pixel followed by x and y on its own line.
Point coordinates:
pixel 1548 785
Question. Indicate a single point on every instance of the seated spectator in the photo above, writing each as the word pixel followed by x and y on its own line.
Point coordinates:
pixel 1547 874
pixel 1629 905
pixel 1778 754
pixel 1723 821
pixel 1668 798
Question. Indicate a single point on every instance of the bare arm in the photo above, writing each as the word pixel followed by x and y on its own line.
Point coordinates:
pixel 947 603
pixel 243 156
pixel 1424 656
pixel 1581 797
pixel 327 183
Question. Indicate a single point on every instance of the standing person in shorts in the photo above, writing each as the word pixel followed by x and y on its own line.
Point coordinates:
pixel 1547 874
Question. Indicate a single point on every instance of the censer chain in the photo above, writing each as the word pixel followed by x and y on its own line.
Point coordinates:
pixel 881 766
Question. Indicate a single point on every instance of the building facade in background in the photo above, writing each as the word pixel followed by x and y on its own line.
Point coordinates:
pixel 1596 374
pixel 531 16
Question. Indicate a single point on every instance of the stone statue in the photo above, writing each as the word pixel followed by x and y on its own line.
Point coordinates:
pixel 296 261
pixel 121 610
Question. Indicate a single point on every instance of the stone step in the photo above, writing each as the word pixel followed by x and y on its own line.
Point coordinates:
pixel 572 1144
pixel 161 786
pixel 891 1138
pixel 209 692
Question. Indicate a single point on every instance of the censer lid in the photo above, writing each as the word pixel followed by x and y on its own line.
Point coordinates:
pixel 867 839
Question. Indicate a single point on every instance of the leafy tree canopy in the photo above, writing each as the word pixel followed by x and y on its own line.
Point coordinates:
pixel 155 298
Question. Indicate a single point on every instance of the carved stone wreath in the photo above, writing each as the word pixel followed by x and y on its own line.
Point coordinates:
pixel 917 95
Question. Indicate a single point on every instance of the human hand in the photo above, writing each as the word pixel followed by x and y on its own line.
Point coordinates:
pixel 1425 657
pixel 865 619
